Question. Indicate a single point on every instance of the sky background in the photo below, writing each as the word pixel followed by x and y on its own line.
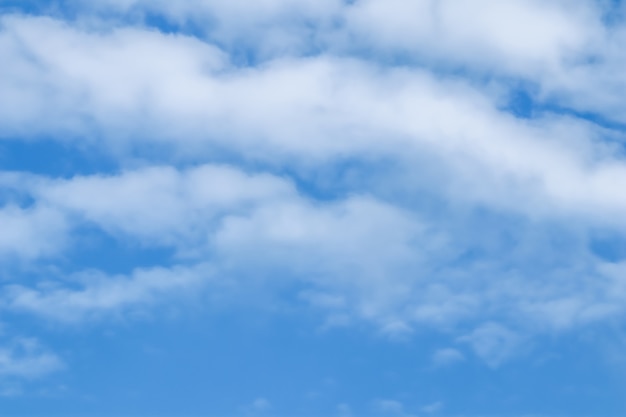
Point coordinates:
pixel 312 208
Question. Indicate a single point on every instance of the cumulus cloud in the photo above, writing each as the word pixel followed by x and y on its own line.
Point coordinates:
pixel 298 111
pixel 161 203
pixel 497 38
pixel 402 194
pixel 358 257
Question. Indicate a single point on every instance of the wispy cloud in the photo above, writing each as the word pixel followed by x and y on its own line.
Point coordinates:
pixel 394 187
pixel 25 358
pixel 447 357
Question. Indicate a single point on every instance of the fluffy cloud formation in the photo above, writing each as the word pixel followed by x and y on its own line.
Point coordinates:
pixel 357 258
pixel 302 112
pixel 30 232
pixel 401 187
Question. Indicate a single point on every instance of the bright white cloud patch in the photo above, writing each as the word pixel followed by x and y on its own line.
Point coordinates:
pixel 368 159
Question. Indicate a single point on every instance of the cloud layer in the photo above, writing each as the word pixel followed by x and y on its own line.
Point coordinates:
pixel 368 156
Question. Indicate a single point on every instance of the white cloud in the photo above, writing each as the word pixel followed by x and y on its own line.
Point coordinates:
pixel 156 205
pixel 24 358
pixel 375 250
pixel 161 204
pixel 29 233
pixel 519 37
pixel 268 27
pixel 358 258
pixel 247 233
pixel 309 112
pixel 92 295
pixel 528 38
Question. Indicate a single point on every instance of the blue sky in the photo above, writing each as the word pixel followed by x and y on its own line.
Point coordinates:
pixel 299 208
